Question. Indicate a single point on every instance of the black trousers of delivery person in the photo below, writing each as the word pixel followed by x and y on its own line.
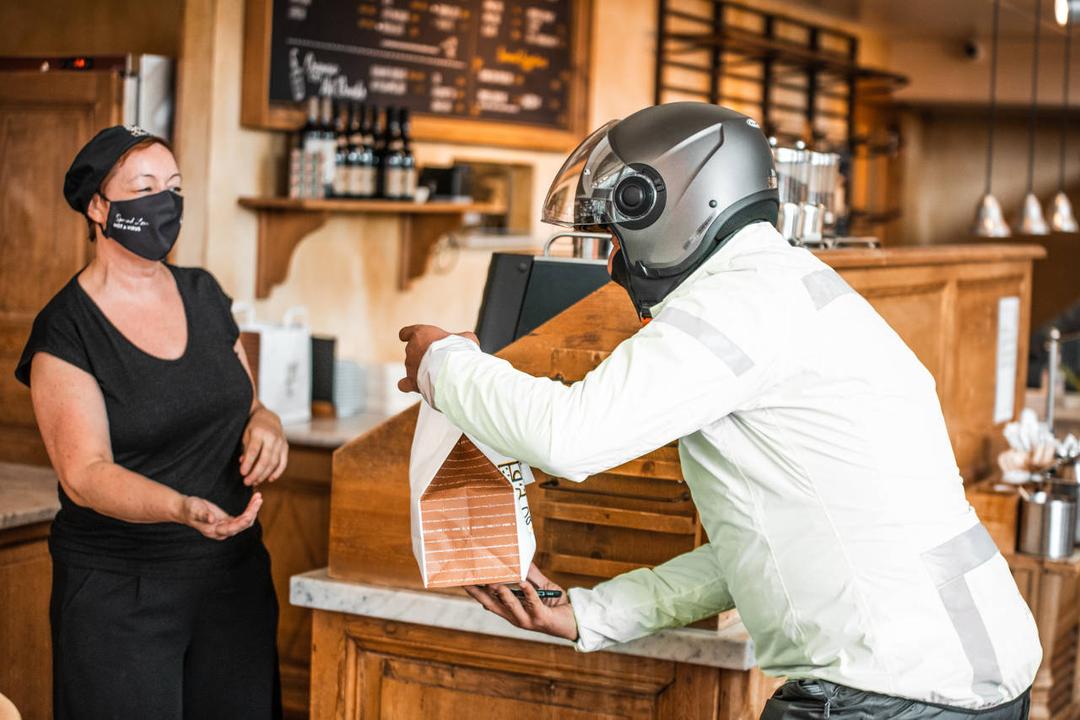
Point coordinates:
pixel 817 699
pixel 130 646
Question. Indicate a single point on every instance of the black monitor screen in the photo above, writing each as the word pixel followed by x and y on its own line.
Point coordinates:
pixel 524 292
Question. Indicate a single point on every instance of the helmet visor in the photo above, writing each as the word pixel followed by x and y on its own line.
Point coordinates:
pixel 580 194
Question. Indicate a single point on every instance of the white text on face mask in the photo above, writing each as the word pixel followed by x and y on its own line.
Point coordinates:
pixel 131 224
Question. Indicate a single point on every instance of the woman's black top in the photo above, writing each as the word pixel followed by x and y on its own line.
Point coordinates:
pixel 178 422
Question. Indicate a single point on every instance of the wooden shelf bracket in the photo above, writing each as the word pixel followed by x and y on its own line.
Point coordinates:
pixel 280 231
pixel 283 223
pixel 418 237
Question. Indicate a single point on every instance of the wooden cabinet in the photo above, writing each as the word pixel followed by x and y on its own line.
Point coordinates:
pixel 367 668
pixel 1051 590
pixel 944 302
pixel 296 518
pixel 25 643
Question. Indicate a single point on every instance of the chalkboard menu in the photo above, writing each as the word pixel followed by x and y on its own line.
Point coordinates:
pixel 497 60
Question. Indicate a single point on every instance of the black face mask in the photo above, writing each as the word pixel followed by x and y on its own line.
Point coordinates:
pixel 147 226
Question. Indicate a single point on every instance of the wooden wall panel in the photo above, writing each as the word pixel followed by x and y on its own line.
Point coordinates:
pixel 969 401
pixel 101 27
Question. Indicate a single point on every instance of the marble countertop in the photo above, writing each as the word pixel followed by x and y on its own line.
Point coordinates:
pixel 27 495
pixel 331 433
pixel 729 647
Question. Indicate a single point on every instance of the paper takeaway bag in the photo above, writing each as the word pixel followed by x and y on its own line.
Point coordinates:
pixel 470 517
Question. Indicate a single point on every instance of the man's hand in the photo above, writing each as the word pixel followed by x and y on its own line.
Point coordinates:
pixel 418 339
pixel 552 616
pixel 265 449
pixel 215 523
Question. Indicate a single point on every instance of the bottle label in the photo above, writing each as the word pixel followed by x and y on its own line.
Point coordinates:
pixel 329 149
pixel 353 174
pixel 395 178
pixel 408 182
pixel 368 181
pixel 361 181
pixel 341 180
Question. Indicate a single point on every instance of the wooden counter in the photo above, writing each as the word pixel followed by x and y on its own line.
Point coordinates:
pixel 28 502
pixel 943 301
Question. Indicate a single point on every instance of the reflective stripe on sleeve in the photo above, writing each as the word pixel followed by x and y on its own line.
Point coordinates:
pixel 825 286
pixel 716 341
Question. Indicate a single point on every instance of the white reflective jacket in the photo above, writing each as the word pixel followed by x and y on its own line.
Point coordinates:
pixel 814 446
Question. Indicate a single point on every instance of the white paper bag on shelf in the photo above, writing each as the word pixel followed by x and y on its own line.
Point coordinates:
pixel 283 362
pixel 470 516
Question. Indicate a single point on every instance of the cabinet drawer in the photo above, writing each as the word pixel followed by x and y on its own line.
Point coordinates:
pixel 613 522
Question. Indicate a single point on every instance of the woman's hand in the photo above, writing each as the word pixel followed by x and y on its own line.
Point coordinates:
pixel 265 449
pixel 552 616
pixel 215 523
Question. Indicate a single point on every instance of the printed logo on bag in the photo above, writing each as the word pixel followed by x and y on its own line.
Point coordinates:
pixel 292 374
pixel 512 472
pixel 132 224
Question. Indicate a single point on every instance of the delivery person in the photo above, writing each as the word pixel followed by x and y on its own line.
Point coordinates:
pixel 810 437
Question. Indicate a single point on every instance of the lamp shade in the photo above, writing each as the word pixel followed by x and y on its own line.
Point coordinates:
pixel 1064 9
pixel 1061 217
pixel 1032 221
pixel 989 220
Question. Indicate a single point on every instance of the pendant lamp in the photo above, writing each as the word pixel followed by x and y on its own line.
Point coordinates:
pixel 1032 221
pixel 1064 10
pixel 1061 211
pixel 989 220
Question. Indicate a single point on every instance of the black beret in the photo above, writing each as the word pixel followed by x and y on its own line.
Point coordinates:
pixel 95 160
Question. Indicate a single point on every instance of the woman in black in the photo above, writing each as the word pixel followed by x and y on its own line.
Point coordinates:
pixel 162 605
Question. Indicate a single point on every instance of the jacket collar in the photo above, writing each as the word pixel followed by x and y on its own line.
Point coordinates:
pixel 752 238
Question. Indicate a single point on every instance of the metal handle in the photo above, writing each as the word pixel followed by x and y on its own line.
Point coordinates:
pixel 1054 349
pixel 573 234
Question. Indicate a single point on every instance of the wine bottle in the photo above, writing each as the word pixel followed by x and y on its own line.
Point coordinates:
pixel 310 174
pixel 329 143
pixel 311 133
pixel 408 160
pixel 341 151
pixel 392 157
pixel 361 171
pixel 374 141
pixel 352 152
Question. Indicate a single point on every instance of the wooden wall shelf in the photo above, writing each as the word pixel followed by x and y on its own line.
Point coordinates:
pixel 284 222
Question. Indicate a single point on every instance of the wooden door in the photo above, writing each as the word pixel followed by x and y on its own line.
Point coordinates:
pixel 44 119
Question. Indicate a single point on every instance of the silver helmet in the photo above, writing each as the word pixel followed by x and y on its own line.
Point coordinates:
pixel 672 182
